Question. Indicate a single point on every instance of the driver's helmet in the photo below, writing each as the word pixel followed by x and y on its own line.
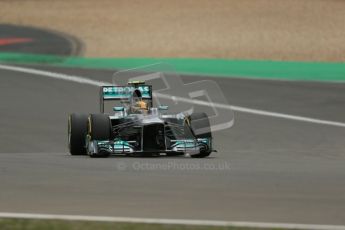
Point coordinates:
pixel 138 104
pixel 141 105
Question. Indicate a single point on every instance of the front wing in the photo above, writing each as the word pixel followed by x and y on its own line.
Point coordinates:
pixel 122 147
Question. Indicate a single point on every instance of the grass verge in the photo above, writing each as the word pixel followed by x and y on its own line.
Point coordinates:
pixel 29 224
pixel 303 71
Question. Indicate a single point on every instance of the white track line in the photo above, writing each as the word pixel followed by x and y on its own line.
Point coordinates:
pixel 171 221
pixel 58 76
pixel 254 111
pixel 82 80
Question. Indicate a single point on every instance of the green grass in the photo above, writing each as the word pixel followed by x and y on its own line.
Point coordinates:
pixel 260 69
pixel 28 224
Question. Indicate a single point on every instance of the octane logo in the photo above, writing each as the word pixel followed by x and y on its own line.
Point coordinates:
pixel 169 89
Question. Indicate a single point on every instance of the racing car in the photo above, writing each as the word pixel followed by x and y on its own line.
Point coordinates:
pixel 137 128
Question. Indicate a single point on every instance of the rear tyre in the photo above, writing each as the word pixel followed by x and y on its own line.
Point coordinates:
pixel 99 128
pixel 77 131
pixel 200 126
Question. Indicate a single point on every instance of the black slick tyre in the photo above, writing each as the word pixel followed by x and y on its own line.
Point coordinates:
pixel 99 128
pixel 77 131
pixel 200 126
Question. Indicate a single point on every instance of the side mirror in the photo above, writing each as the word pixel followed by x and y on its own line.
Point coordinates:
pixel 118 108
pixel 163 107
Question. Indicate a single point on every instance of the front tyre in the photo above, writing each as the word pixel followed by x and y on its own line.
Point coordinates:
pixel 99 129
pixel 77 131
pixel 200 126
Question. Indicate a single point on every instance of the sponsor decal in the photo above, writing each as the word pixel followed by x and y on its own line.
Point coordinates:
pixel 125 91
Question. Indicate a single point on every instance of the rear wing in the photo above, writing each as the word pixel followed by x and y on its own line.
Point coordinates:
pixel 124 93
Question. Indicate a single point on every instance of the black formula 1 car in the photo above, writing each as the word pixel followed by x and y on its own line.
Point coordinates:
pixel 137 128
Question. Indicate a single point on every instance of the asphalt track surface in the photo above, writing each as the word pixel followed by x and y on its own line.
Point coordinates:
pixel 277 170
